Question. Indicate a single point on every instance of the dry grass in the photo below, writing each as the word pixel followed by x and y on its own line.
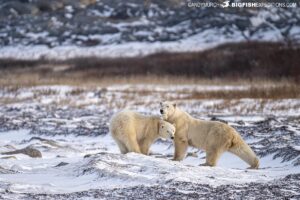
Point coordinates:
pixel 259 88
pixel 7 100
pixel 274 92
pixel 15 81
pixel 234 61
pixel 270 69
pixel 45 92
pixel 263 95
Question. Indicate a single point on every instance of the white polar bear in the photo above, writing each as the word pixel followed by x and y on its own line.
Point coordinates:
pixel 212 136
pixel 134 132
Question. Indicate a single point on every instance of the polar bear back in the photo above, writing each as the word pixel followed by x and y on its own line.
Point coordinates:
pixel 130 122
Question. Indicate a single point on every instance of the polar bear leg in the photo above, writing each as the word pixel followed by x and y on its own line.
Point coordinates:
pixel 122 147
pixel 144 147
pixel 212 156
pixel 132 144
pixel 243 151
pixel 180 149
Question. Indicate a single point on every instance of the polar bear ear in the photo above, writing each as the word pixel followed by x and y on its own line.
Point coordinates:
pixel 174 104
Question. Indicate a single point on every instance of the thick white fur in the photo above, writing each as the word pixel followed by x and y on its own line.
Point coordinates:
pixel 212 136
pixel 134 132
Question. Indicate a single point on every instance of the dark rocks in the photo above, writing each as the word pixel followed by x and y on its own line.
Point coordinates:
pixel 219 120
pixel 162 20
pixel 121 13
pixel 273 138
pixel 33 121
pixel 87 155
pixel 285 188
pixel 108 30
pixel 16 8
pixel 240 122
pixel 47 6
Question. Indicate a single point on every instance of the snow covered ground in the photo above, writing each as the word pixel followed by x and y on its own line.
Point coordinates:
pixel 130 49
pixel 68 125
pixel 198 42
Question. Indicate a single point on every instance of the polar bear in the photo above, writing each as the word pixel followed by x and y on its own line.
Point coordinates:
pixel 134 132
pixel 212 136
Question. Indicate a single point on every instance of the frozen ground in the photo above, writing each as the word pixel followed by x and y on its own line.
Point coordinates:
pixel 68 125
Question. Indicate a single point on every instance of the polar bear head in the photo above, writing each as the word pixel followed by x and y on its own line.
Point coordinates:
pixel 167 109
pixel 166 130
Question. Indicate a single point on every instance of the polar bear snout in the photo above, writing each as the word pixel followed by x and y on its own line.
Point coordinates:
pixel 167 109
pixel 171 134
pixel 166 130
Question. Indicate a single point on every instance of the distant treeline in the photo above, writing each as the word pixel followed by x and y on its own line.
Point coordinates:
pixel 233 60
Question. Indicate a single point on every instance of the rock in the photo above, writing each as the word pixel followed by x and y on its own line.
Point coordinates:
pixel 108 30
pixel 18 8
pixel 192 154
pixel 120 13
pixel 91 42
pixel 61 164
pixel 30 151
pixel 87 155
pixel 47 6
pixel 240 122
pixel 219 120
pixel 243 24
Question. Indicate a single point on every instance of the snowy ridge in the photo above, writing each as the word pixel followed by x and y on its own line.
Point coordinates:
pixel 109 169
